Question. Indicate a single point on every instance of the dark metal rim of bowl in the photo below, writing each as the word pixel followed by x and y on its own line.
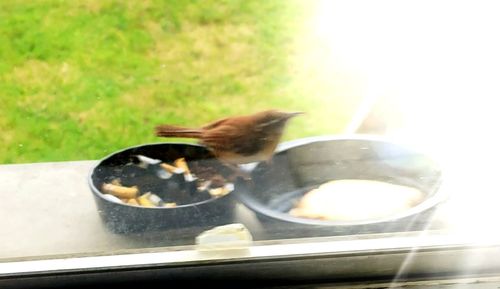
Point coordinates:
pixel 437 196
pixel 99 194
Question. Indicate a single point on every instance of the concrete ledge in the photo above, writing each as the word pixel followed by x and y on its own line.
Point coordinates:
pixel 47 209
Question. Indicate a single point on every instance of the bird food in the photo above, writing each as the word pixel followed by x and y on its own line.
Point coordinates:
pixel 355 200
pixel 120 191
pixel 149 182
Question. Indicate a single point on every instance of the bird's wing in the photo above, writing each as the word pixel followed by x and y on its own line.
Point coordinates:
pixel 235 139
pixel 221 137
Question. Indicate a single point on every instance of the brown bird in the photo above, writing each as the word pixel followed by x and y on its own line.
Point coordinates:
pixel 238 139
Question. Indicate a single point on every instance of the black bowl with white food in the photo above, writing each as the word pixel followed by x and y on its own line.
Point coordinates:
pixel 345 185
pixel 162 186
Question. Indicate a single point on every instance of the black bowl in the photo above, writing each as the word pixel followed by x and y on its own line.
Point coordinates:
pixel 196 210
pixel 301 165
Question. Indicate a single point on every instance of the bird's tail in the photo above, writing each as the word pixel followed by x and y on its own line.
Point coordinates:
pixel 177 131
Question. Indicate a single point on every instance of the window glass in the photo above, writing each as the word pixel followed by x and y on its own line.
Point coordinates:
pixel 147 125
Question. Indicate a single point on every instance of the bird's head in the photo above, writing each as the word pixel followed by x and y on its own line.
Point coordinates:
pixel 275 118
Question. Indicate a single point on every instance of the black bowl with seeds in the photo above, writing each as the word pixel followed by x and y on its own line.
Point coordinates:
pixel 160 186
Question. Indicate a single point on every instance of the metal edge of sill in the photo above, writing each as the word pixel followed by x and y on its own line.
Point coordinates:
pixel 191 257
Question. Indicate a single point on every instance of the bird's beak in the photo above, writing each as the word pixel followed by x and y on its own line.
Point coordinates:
pixel 294 114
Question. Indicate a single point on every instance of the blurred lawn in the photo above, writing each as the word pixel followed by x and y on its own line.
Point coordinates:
pixel 81 79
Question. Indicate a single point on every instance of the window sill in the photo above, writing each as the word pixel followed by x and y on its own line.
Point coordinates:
pixel 53 233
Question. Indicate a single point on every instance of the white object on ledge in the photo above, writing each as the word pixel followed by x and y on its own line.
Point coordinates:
pixel 231 236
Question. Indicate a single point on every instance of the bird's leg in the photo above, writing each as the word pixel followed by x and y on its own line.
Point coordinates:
pixel 267 163
pixel 237 172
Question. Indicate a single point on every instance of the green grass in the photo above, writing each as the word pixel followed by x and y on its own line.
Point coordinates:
pixel 82 79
